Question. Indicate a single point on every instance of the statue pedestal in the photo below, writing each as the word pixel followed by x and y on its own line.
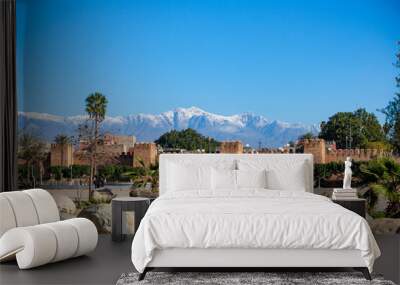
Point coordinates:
pixel 344 194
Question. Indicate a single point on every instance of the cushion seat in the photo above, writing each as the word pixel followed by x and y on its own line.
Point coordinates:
pixel 23 235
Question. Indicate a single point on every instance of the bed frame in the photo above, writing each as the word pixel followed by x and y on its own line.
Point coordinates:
pixel 233 259
pixel 245 259
pixel 363 270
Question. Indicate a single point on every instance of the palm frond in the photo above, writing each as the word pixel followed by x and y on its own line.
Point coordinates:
pixel 380 189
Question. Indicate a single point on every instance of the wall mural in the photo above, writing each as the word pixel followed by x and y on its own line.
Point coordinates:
pixel 106 87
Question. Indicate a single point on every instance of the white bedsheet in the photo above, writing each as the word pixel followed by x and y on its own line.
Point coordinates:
pixel 250 219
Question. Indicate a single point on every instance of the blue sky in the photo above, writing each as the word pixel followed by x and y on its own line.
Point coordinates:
pixel 297 61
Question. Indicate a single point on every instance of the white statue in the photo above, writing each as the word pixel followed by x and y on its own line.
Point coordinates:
pixel 347 174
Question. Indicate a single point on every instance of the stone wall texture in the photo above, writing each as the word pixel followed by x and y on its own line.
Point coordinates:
pixel 322 154
pixel 146 152
pixel 317 148
pixel 231 147
pixel 61 155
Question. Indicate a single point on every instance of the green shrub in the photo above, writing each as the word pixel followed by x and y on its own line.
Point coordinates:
pixel 56 172
pixel 383 178
pixel 115 172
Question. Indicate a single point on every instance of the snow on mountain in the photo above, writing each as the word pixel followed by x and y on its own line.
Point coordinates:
pixel 248 128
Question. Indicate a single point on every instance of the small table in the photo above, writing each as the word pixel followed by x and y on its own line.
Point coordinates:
pixel 357 205
pixel 121 204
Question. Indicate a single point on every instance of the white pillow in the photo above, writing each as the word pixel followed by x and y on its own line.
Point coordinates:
pixel 224 179
pixel 292 179
pixel 188 177
pixel 251 178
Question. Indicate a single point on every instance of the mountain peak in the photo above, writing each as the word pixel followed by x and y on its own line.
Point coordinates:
pixel 190 110
pixel 246 127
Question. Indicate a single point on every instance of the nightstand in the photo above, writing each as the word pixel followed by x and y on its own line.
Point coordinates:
pixel 120 205
pixel 356 205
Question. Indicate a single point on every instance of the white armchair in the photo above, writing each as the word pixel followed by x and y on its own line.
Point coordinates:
pixel 31 230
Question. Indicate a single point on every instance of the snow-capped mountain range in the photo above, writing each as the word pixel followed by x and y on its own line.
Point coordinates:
pixel 248 128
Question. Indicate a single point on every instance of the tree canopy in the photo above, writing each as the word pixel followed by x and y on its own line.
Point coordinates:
pixel 392 113
pixel 33 151
pixel 187 139
pixel 307 136
pixel 383 175
pixel 96 105
pixel 355 129
pixel 62 139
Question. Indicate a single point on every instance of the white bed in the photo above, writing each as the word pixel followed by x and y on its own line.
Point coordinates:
pixel 200 223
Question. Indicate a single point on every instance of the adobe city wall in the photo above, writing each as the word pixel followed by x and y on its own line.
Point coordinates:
pixel 323 154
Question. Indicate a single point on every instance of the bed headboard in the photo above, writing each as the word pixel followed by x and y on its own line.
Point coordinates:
pixel 282 161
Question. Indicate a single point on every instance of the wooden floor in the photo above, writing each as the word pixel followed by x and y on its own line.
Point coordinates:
pixel 103 266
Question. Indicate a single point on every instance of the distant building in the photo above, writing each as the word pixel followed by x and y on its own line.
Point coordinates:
pixel 289 149
pixel 81 157
pixel 146 152
pixel 324 152
pixel 106 154
pixel 317 148
pixel 231 147
pixel 125 141
pixel 126 159
pixel 112 149
pixel 171 150
pixel 61 155
pixel 268 150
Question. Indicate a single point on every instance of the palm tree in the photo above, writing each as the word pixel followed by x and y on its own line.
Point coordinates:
pixel 383 175
pixel 33 151
pixel 62 140
pixel 96 105
pixel 143 175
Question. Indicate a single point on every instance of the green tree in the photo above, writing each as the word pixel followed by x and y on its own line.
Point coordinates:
pixel 79 171
pixel 144 175
pixel 307 136
pixel 33 151
pixel 356 128
pixel 96 106
pixel 62 140
pixel 321 171
pixel 187 139
pixel 113 172
pixel 382 145
pixel 383 176
pixel 392 113
pixel 57 172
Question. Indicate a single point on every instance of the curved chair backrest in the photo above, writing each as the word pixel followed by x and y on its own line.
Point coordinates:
pixel 26 208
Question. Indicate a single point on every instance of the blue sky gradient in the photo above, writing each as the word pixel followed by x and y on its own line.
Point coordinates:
pixel 297 61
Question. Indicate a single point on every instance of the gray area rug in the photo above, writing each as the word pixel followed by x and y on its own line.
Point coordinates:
pixel 227 278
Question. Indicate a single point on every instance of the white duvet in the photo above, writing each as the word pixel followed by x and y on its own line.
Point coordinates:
pixel 250 219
